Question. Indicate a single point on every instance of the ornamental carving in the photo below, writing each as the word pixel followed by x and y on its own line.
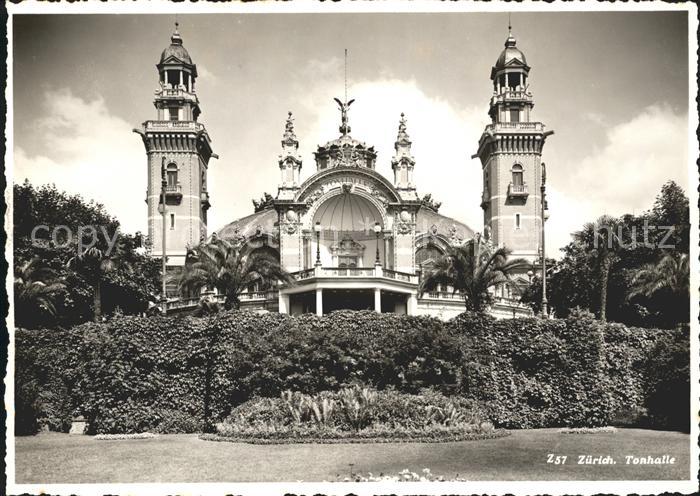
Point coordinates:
pixel 456 237
pixel 292 215
pixel 311 199
pixel 403 228
pixel 347 247
pixel 290 228
pixel 380 196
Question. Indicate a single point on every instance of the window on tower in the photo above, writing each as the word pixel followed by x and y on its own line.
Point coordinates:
pixel 517 172
pixel 514 115
pixel 173 113
pixel 172 221
pixel 171 176
pixel 517 221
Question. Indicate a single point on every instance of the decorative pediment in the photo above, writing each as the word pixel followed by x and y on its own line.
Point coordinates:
pixel 347 247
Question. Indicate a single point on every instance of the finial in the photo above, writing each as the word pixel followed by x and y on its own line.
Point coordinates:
pixel 176 39
pixel 403 135
pixel 289 128
pixel 510 41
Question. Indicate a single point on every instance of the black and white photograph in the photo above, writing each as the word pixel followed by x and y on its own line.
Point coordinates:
pixel 352 248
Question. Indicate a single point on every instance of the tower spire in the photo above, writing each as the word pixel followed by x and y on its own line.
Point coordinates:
pixel 345 104
pixel 346 74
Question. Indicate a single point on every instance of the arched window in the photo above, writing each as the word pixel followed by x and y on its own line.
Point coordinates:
pixel 427 255
pixel 171 174
pixel 517 172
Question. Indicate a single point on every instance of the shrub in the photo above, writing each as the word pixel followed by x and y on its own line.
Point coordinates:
pixel 668 385
pixel 174 374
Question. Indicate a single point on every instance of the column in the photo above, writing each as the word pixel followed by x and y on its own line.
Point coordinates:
pixel 319 301
pixel 377 300
pixel 283 303
pixel 180 77
pixel 411 304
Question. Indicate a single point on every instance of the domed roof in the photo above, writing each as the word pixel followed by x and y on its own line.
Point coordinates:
pixel 257 224
pixel 347 212
pixel 432 223
pixel 176 50
pixel 510 53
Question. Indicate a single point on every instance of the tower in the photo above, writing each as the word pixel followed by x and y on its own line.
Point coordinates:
pixel 178 143
pixel 289 162
pixel 403 163
pixel 510 150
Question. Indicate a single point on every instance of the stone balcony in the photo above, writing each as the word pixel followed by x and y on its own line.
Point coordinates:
pixel 173 191
pixel 169 126
pixel 512 96
pixel 517 190
pixel 376 272
pixel 525 127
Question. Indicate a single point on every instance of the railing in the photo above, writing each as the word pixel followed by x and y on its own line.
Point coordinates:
pixel 258 295
pixel 399 276
pixel 525 126
pixel 517 189
pixel 354 272
pixel 442 295
pixel 176 92
pixel 303 274
pixel 173 188
pixel 347 271
pixel 184 303
pixel 173 125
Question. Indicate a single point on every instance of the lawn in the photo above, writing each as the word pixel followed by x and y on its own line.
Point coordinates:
pixel 62 458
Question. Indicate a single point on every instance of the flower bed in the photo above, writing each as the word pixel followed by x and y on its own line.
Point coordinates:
pixel 121 437
pixel 354 415
pixel 587 430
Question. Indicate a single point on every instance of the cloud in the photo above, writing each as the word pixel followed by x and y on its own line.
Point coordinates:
pixel 92 153
pixel 623 176
pixel 205 74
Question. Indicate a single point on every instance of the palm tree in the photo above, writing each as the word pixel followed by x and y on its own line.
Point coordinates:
pixel 228 268
pixel 471 269
pixel 93 265
pixel 36 286
pixel 671 273
pixel 603 241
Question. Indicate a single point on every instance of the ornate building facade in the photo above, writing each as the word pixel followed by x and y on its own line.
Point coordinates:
pixel 352 238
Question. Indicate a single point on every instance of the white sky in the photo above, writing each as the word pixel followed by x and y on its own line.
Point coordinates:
pixel 613 86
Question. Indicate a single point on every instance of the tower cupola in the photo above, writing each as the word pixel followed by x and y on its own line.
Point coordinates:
pixel 176 99
pixel 511 101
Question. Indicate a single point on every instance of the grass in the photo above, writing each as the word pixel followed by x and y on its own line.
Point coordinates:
pixel 51 458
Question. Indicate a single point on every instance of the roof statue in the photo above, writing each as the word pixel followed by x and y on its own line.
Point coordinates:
pixel 289 127
pixel 344 127
pixel 403 134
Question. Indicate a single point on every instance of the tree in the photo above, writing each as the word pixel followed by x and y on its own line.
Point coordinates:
pixel 668 280
pixel 94 265
pixel 230 269
pixel 36 290
pixel 471 269
pixel 130 286
pixel 602 241
pixel 671 210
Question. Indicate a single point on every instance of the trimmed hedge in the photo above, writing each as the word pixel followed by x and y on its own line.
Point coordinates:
pixel 166 374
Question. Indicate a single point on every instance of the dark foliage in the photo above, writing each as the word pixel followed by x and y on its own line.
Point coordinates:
pixel 168 374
